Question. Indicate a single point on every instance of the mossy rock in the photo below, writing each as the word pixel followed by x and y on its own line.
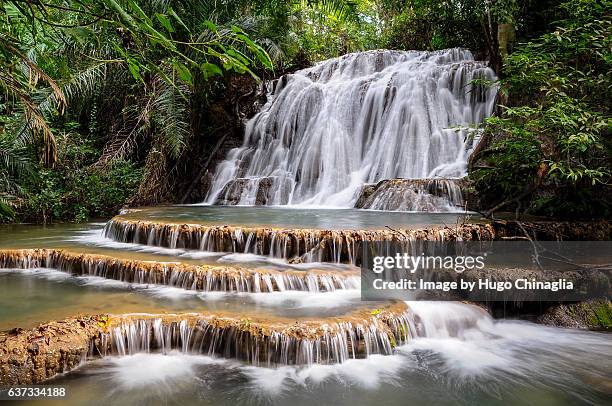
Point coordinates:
pixel 594 314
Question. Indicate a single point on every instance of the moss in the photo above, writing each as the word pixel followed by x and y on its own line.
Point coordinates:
pixel 595 314
pixel 104 322
pixel 404 333
pixel 599 314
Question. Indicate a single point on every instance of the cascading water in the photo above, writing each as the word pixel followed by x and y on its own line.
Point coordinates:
pixel 323 342
pixel 459 355
pixel 447 319
pixel 369 130
pixel 320 342
pixel 412 195
pixel 189 277
pixel 326 343
pixel 360 118
pixel 307 244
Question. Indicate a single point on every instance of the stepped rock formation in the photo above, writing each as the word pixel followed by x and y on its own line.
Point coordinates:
pixel 186 276
pixel 358 119
pixel 32 356
pixel 413 195
pixel 304 244
pixel 551 230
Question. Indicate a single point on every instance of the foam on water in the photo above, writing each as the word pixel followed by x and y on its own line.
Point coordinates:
pixel 298 299
pixel 96 237
pixel 45 273
pixel 246 257
pixel 287 299
pixel 483 362
pixel 448 319
pixel 148 371
pixel 486 359
pixel 365 373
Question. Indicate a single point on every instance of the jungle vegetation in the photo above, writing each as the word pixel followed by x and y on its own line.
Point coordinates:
pixel 99 98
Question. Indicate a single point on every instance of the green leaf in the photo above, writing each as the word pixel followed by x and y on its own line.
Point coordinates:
pixel 184 72
pixel 134 6
pixel 210 70
pixel 210 25
pixel 178 19
pixel 165 22
pixel 135 69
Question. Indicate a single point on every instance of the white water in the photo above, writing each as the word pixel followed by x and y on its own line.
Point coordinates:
pixel 289 302
pixel 162 371
pixel 462 356
pixel 97 238
pixel 360 118
pixel 434 195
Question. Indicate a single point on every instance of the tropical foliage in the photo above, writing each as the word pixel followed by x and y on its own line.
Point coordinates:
pixel 123 73
pixel 552 150
pixel 104 100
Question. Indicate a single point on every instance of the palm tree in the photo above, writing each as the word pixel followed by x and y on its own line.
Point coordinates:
pixel 137 63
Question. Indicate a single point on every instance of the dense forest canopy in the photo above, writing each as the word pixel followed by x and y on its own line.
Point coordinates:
pixel 103 101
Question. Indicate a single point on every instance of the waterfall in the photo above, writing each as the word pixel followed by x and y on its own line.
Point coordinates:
pixel 184 276
pixel 307 245
pixel 309 343
pixel 412 195
pixel 357 119
pixel 447 319
pixel 262 343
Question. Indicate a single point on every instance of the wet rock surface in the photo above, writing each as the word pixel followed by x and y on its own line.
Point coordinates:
pixel 233 192
pixel 313 244
pixel 594 314
pixel 320 149
pixel 337 245
pixel 551 230
pixel 32 356
pixel 186 276
pixel 264 341
pixel 430 195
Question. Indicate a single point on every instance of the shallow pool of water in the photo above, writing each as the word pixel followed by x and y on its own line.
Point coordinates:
pixel 461 356
pixel 492 363
pixel 31 297
pixel 89 238
pixel 287 217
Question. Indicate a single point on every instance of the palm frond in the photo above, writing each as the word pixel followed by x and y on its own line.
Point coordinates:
pixel 13 156
pixel 124 141
pixel 340 8
pixel 170 111
pixel 34 72
pixel 14 163
pixel 78 89
pixel 35 123
pixel 273 49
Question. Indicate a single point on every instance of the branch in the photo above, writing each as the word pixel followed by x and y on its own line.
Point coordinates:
pixel 542 172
